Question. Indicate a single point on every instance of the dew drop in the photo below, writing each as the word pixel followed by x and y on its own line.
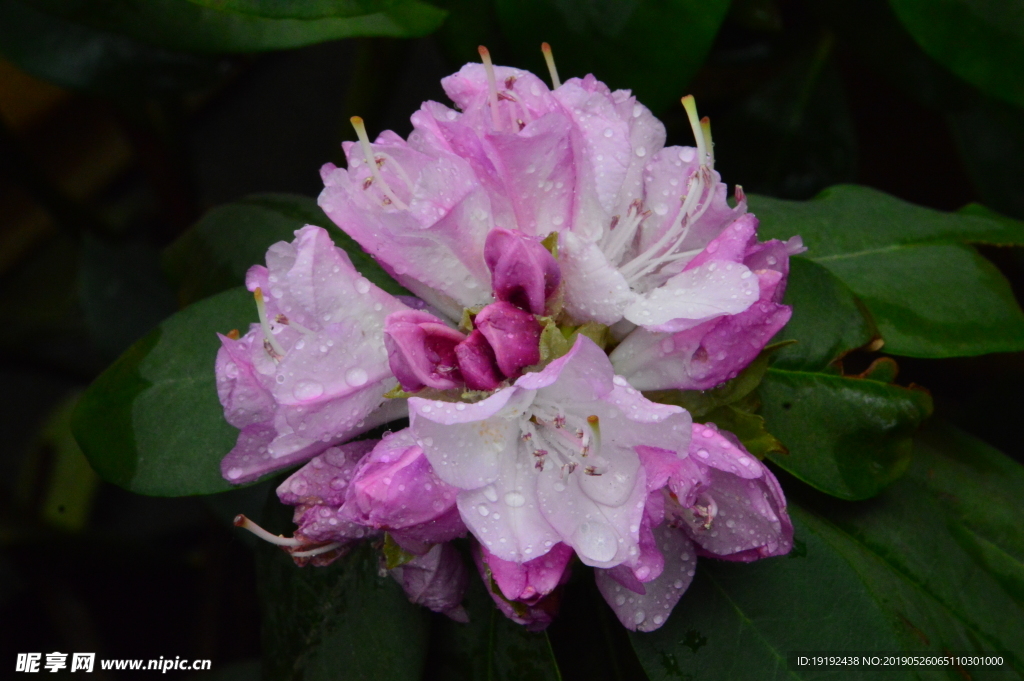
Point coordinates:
pixel 514 499
pixel 307 390
pixel 356 377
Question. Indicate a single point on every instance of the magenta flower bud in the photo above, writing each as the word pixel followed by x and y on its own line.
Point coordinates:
pixel 421 350
pixel 513 334
pixel 477 363
pixel 395 488
pixel 527 592
pixel 523 271
pixel 533 580
pixel 436 580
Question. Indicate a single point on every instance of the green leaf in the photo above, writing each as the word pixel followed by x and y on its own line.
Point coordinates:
pixel 889 575
pixel 79 57
pixel 982 41
pixel 941 550
pixel 847 436
pixel 217 251
pixel 930 295
pixel 151 422
pixel 749 428
pixel 742 621
pixel 828 320
pixel 491 646
pixel 343 621
pixel 182 25
pixel 651 47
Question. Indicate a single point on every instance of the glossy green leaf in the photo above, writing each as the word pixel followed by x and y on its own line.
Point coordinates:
pixel 941 550
pixel 343 621
pixel 929 567
pixel 742 621
pixel 929 293
pixel 491 646
pixel 216 252
pixel 828 320
pixel 182 25
pixel 79 57
pixel 847 436
pixel 651 47
pixel 982 41
pixel 151 422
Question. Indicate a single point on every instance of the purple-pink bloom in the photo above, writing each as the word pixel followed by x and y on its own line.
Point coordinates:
pixel 551 458
pixel 421 350
pixel 394 488
pixel 478 364
pixel 718 501
pixel 523 271
pixel 513 334
pixel 436 580
pixel 527 593
pixel 314 371
pixel 702 356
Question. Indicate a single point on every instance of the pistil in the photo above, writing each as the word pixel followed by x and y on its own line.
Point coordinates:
pixel 550 59
pixel 492 86
pixel 261 309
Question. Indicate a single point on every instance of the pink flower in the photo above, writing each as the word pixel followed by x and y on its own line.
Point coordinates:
pixel 526 592
pixel 551 458
pixel 314 371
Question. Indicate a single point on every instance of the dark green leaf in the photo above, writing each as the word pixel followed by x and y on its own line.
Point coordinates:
pixel 343 621
pixel 653 48
pixel 742 621
pixel 749 428
pixel 828 321
pixel 216 252
pixel 930 295
pixel 490 647
pixel 982 41
pixel 847 436
pixel 930 567
pixel 941 550
pixel 151 422
pixel 182 25
pixel 77 56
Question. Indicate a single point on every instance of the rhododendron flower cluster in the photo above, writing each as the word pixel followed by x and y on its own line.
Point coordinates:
pixel 562 259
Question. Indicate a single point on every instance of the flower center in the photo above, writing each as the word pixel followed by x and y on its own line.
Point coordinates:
pixel 563 440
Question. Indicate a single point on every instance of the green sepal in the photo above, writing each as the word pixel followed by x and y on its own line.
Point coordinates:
pixel 394 555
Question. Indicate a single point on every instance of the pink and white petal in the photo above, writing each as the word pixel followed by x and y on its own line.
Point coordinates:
pixel 691 297
pixel 324 480
pixel 250 459
pixel 580 376
pixel 732 245
pixel 711 448
pixel 505 515
pixel 241 389
pixel 602 535
pixel 464 445
pixel 649 611
pixel 594 290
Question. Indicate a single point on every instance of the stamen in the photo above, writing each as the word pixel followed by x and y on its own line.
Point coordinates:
pixel 261 309
pixel 492 85
pixel 398 169
pixel 691 112
pixel 550 59
pixel 246 524
pixel 281 319
pixel 371 161
pixel 315 552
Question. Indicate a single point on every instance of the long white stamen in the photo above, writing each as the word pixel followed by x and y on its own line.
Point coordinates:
pixel 246 524
pixel 641 262
pixel 261 309
pixel 398 169
pixel 624 231
pixel 371 161
pixel 550 59
pixel 315 552
pixel 492 85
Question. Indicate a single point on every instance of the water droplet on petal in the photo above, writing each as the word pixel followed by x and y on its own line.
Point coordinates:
pixel 356 377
